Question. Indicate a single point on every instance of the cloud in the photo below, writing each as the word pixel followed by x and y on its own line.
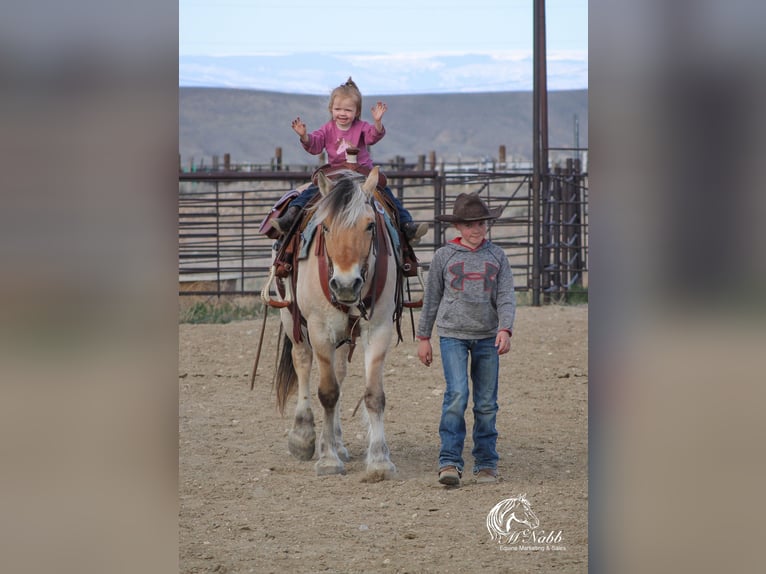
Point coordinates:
pixel 400 73
pixel 394 62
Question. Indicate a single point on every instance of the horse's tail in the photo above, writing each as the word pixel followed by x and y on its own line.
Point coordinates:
pixel 286 377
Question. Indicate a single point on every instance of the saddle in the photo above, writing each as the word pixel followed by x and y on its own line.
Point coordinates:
pixel 288 248
pixel 332 171
pixel 266 228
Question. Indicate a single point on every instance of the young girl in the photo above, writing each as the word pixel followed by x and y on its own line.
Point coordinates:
pixel 469 296
pixel 345 131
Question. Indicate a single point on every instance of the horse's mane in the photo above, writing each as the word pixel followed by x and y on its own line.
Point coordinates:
pixel 346 203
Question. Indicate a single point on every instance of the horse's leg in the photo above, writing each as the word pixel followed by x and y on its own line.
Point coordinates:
pixel 341 358
pixel 302 438
pixel 329 392
pixel 379 465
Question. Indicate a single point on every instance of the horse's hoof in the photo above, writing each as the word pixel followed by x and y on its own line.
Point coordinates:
pixel 301 446
pixel 380 471
pixel 327 468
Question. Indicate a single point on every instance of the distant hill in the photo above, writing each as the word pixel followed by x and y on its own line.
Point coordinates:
pixel 251 124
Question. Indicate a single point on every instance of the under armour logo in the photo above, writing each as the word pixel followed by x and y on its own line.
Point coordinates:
pixel 460 276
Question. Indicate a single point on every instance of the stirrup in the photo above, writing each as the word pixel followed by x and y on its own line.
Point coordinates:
pixel 417 304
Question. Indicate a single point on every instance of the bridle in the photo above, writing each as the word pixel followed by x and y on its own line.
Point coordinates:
pixel 374 250
pixel 366 304
pixel 377 247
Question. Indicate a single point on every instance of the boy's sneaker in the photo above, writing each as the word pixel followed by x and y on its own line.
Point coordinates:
pixel 449 476
pixel 486 476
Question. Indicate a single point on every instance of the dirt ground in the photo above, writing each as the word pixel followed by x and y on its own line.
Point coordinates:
pixel 247 506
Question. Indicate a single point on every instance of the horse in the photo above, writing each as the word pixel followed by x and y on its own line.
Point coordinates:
pixel 505 512
pixel 345 289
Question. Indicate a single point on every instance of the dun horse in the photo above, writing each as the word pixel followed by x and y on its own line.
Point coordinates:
pixel 345 293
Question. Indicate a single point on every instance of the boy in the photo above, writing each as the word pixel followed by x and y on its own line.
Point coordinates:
pixel 469 295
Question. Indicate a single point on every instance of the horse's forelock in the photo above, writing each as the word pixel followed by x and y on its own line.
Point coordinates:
pixel 346 203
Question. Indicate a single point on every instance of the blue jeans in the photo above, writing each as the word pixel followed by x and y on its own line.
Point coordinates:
pixel 484 369
pixel 305 196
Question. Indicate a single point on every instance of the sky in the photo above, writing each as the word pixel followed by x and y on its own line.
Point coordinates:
pixel 396 47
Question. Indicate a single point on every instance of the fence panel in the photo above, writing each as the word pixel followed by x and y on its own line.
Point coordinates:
pixel 219 213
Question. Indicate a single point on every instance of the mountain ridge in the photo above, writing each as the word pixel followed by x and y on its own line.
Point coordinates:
pixel 250 124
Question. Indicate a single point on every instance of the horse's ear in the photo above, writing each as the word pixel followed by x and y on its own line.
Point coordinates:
pixel 372 180
pixel 323 183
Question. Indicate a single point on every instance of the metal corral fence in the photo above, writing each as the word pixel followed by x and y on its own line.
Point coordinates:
pixel 220 211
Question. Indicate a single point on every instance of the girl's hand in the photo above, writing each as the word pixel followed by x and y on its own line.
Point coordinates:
pixel 378 110
pixel 424 352
pixel 299 127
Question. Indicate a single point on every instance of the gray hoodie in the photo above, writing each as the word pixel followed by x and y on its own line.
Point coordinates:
pixel 469 293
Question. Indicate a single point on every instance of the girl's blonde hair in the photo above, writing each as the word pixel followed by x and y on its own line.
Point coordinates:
pixel 347 90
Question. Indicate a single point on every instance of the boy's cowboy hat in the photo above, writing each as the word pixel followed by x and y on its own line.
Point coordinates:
pixel 470 207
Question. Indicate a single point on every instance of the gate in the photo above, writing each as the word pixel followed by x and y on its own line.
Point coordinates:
pixel 220 252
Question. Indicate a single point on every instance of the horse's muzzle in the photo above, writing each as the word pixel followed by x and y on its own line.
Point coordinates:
pixel 346 292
